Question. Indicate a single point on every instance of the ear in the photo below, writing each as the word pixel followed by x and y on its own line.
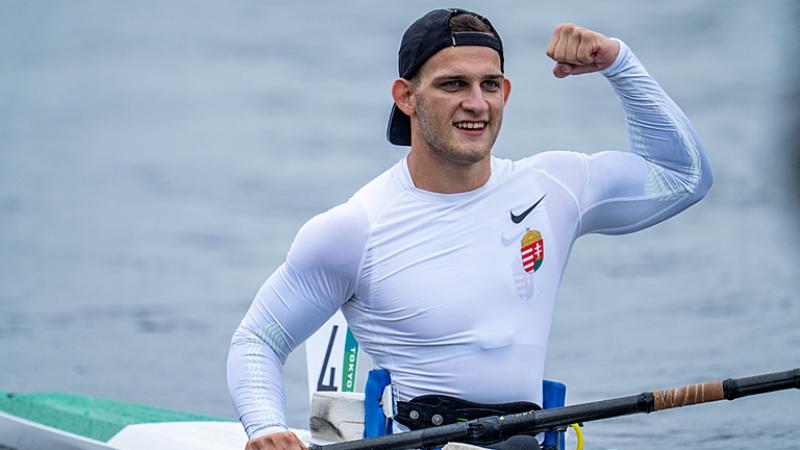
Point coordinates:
pixel 402 92
pixel 506 89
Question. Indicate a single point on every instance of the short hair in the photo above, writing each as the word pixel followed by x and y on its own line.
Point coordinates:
pixel 469 22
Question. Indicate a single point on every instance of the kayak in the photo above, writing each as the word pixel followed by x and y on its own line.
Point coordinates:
pixel 52 420
pixel 66 421
pixel 56 420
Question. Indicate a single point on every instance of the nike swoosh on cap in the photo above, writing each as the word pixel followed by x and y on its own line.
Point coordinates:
pixel 521 217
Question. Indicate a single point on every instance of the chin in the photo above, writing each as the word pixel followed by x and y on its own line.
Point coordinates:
pixel 463 156
pixel 457 149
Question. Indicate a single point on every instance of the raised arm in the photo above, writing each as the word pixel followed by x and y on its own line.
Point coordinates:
pixel 666 170
pixel 318 276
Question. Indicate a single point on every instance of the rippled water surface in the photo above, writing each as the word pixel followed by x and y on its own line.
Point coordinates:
pixel 156 159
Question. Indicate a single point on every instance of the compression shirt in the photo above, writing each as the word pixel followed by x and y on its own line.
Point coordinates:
pixel 454 293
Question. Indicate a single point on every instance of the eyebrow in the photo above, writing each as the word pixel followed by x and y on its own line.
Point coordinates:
pixel 497 76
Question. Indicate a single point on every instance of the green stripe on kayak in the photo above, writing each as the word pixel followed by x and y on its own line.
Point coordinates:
pixel 94 418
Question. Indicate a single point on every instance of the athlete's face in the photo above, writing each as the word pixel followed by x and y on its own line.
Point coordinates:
pixel 459 95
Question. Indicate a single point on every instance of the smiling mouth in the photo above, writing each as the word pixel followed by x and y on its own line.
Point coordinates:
pixel 471 125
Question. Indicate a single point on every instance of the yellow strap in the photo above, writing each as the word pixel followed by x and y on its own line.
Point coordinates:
pixel 579 434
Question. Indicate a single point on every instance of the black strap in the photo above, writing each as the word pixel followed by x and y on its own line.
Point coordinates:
pixel 477 38
pixel 434 410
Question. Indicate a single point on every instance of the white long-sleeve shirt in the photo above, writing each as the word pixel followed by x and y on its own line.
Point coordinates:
pixel 446 291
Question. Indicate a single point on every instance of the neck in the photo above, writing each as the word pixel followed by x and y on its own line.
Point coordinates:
pixel 432 173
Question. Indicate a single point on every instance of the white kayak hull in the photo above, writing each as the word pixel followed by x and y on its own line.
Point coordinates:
pixel 64 421
pixel 48 421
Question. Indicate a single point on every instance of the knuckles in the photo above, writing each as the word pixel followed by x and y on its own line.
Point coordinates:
pixel 565 28
pixel 573 44
pixel 569 30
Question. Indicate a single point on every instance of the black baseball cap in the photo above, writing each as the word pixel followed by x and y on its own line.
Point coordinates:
pixel 423 39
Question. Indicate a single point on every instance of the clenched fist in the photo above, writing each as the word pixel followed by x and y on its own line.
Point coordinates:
pixel 578 50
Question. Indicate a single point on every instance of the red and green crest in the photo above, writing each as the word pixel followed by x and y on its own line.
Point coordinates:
pixel 532 251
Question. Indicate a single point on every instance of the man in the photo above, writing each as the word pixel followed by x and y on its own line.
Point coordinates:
pixel 447 265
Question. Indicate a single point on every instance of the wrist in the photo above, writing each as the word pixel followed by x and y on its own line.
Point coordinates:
pixel 267 429
pixel 619 61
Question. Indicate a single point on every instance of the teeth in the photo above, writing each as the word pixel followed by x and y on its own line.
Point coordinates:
pixel 471 125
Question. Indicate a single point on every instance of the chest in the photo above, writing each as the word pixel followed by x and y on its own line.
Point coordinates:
pixel 463 267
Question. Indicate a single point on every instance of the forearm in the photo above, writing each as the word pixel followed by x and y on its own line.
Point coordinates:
pixel 287 309
pixel 666 170
pixel 255 382
pixel 659 132
pixel 271 329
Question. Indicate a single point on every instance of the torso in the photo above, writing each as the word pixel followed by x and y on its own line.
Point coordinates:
pixel 444 300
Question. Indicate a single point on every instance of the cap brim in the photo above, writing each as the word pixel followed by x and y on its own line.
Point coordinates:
pixel 399 130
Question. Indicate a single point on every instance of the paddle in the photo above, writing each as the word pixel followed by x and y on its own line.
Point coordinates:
pixel 499 427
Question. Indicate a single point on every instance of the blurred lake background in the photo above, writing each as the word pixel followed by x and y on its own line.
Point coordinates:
pixel 157 158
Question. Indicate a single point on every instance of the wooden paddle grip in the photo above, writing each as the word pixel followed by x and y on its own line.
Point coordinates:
pixel 688 395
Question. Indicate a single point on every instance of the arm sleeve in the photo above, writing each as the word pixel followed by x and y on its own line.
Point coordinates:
pixel 666 170
pixel 319 274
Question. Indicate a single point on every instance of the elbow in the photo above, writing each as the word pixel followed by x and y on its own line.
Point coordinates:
pixel 242 336
pixel 702 185
pixel 238 351
pixel 699 172
pixel 705 182
pixel 267 339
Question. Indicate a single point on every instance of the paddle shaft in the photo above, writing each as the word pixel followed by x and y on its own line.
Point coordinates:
pixel 498 427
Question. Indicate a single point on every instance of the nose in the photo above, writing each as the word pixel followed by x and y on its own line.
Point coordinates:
pixel 475 101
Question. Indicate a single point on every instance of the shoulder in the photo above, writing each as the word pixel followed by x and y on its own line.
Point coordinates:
pixel 336 238
pixel 333 239
pixel 383 191
pixel 556 162
pixel 564 167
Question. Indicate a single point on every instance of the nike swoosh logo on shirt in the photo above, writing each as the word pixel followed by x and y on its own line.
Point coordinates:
pixel 521 217
pixel 513 239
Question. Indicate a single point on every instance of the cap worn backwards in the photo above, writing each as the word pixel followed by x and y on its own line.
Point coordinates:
pixel 424 38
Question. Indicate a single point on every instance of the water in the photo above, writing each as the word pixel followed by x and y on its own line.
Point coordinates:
pixel 156 159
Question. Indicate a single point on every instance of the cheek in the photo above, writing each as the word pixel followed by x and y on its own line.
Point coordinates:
pixel 440 106
pixel 497 106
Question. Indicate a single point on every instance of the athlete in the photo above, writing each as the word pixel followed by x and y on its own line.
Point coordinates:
pixel 447 265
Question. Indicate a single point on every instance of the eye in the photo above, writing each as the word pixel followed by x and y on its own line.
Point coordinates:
pixel 452 85
pixel 491 85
